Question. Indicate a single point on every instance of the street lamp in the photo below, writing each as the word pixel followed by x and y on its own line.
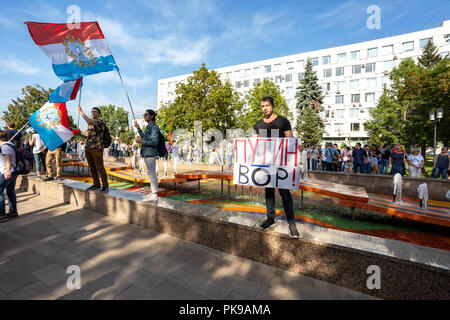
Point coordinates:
pixel 436 117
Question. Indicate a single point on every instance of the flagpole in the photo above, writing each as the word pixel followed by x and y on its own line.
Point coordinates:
pixel 126 92
pixel 19 131
pixel 79 103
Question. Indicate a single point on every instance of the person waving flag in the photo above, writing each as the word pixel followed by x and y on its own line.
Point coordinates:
pixel 75 52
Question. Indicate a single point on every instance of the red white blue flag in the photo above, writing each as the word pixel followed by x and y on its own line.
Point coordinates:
pixel 66 92
pixel 75 52
pixel 52 124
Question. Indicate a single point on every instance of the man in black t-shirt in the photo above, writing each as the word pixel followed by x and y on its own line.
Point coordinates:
pixel 274 126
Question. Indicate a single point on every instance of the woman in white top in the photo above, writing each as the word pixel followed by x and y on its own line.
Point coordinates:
pixel 416 162
pixel 38 152
pixel 214 157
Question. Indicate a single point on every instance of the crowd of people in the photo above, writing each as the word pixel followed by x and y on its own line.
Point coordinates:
pixel 384 159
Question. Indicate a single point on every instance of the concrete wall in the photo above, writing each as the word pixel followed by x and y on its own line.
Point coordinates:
pixel 342 266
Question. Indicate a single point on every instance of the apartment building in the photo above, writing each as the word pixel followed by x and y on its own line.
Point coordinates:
pixel 352 77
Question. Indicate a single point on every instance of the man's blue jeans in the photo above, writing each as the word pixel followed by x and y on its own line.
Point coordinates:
pixel 10 186
pixel 314 164
pixel 288 204
pixel 356 165
pixel 438 172
pixel 383 166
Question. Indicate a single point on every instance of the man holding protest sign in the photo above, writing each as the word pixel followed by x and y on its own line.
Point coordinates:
pixel 274 126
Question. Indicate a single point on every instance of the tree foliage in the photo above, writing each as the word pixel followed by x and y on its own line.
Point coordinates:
pixel 309 92
pixel 309 126
pixel 252 112
pixel 116 118
pixel 430 55
pixel 202 98
pixel 402 113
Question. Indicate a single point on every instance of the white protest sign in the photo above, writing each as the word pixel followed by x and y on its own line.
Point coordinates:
pixel 267 162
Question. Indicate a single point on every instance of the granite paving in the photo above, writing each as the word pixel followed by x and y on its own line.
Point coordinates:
pixel 124 261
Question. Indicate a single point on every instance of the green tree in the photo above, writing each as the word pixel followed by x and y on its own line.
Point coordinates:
pixel 402 113
pixel 252 113
pixel 430 55
pixel 116 118
pixel 202 98
pixel 309 92
pixel 21 108
pixel 309 126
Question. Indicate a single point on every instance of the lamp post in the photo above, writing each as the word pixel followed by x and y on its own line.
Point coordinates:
pixel 435 117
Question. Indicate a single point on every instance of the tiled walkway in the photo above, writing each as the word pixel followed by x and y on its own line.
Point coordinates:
pixel 124 261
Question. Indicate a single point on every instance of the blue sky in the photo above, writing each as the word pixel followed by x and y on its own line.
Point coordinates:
pixel 154 39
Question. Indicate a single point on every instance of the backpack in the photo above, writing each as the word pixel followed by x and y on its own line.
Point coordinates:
pixel 24 160
pixel 106 138
pixel 162 151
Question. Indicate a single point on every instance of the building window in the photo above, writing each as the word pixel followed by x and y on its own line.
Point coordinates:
pixel 338 127
pixel 278 79
pixel 246 83
pixel 290 66
pixel 267 79
pixel 385 81
pixel 370 67
pixel 371 82
pixel 340 113
pixel 256 70
pixel 256 81
pixel 354 127
pixel 301 75
pixel 389 65
pixel 339 71
pixel 289 91
pixel 288 78
pixel 342 57
pixel 423 42
pixel 354 113
pixel 327 113
pixel 356 98
pixel 340 99
pixel 229 75
pixel 356 69
pixel 354 84
pixel 388 50
pixel 408 46
pixel 354 55
pixel 372 53
pixel 268 69
pixel 340 85
pixel 277 67
pixel 327 73
pixel 326 60
pixel 370 97
pixel 301 63
pixel 315 61
pixel 237 84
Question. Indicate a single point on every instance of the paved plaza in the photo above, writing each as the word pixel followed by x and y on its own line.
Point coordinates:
pixel 124 261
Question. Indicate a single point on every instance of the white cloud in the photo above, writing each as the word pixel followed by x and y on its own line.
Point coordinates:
pixel 174 48
pixel 10 64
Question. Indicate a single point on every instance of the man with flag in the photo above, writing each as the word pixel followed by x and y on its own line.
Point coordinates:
pixel 94 148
